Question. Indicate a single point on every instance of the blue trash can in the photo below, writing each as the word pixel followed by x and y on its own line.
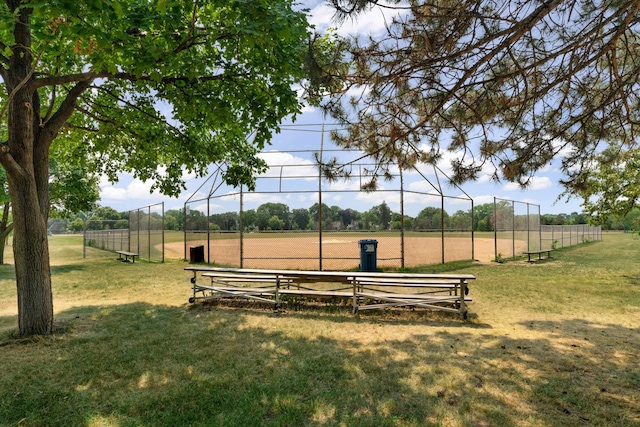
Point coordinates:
pixel 368 255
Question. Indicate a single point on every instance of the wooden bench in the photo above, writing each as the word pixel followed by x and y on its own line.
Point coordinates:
pixel 367 290
pixel 539 253
pixel 126 255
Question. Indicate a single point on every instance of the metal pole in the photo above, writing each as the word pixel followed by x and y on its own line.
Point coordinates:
pixel 320 201
pixel 241 226
pixel 442 224
pixel 473 242
pixel 513 229
pixel 149 231
pixel 528 228
pixel 401 219
pixel 162 231
pixel 495 229
pixel 539 228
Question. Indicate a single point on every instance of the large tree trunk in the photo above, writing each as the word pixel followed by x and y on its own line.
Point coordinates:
pixel 25 159
pixel 31 259
pixel 28 187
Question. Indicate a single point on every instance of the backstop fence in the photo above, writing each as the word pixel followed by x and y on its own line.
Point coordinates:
pixel 142 233
pixel 518 229
pixel 297 218
pixel 105 235
pixel 146 232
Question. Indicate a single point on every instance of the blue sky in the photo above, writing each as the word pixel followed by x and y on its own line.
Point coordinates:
pixel 544 190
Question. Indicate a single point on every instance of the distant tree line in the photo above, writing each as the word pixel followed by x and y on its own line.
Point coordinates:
pixel 278 216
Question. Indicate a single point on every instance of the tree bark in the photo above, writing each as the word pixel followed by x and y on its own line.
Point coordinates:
pixel 5 229
pixel 30 244
pixel 25 159
pixel 31 259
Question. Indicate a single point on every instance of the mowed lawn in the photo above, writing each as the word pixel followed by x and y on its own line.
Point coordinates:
pixel 554 343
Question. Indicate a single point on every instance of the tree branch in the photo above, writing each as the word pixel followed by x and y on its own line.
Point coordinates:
pixel 8 162
pixel 20 85
pixel 139 109
pixel 50 129
pixel 90 76
pixel 192 27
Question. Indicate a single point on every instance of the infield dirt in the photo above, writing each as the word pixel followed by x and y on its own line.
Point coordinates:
pixel 339 252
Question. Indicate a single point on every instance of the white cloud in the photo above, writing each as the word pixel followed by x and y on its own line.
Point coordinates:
pixel 483 199
pixel 371 22
pixel 283 164
pixel 423 186
pixel 537 183
pixel 260 198
pixel 135 190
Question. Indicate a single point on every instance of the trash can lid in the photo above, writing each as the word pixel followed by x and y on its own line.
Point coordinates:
pixel 367 241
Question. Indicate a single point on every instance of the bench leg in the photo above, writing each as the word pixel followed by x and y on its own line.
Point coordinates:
pixel 463 306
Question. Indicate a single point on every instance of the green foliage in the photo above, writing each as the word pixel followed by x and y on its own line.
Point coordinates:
pixel 73 186
pixel 275 223
pixel 326 66
pixel 174 85
pixel 509 85
pixel 375 218
pixel 76 225
pixel 613 188
pixel 300 218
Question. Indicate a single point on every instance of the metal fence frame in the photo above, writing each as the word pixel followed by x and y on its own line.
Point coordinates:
pixel 517 228
pixel 101 234
pixel 146 232
pixel 319 187
pixel 143 235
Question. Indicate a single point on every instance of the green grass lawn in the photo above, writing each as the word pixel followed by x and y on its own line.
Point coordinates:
pixel 554 343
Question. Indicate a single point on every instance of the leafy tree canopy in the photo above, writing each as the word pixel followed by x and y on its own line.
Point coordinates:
pixel 510 85
pixel 151 87
pixel 613 188
pixel 164 84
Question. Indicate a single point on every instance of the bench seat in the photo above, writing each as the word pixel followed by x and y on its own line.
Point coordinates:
pixel 539 253
pixel 127 255
pixel 366 290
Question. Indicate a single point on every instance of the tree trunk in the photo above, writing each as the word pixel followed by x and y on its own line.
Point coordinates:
pixel 31 259
pixel 25 159
pixel 30 243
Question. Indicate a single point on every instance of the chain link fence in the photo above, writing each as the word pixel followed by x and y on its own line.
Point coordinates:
pixel 257 229
pixel 103 236
pixel 558 236
pixel 518 229
pixel 142 233
pixel 146 232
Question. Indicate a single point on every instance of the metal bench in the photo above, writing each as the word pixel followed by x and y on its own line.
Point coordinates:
pixel 126 256
pixel 367 290
pixel 539 253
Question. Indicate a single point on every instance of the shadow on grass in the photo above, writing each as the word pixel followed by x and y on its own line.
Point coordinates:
pixel 68 268
pixel 341 312
pixel 140 364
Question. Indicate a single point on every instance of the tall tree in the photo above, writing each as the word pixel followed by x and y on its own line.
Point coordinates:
pixel 149 87
pixel 507 84
pixel 614 187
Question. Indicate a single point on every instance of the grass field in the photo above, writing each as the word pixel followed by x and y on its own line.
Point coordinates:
pixel 554 343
